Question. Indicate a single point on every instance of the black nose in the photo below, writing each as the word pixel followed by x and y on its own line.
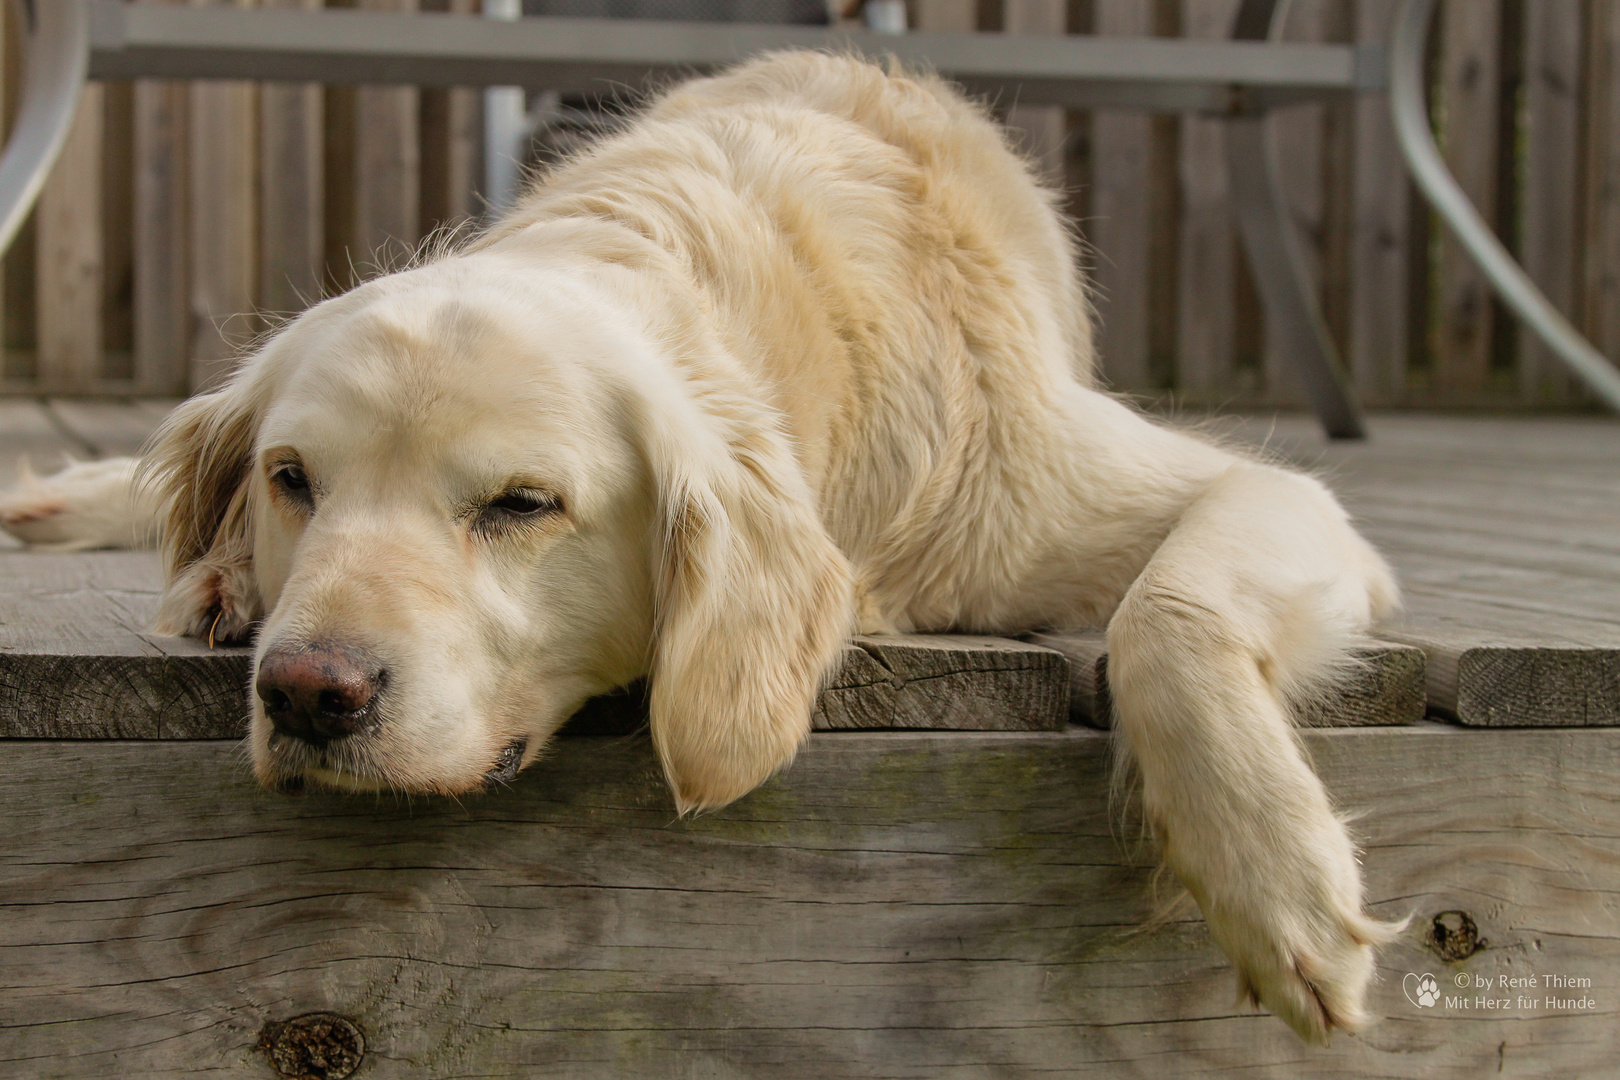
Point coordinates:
pixel 319 692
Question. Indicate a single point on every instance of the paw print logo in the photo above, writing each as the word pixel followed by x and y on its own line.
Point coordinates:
pixel 1421 990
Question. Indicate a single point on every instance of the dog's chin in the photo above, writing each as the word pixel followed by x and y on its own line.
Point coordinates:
pixel 290 772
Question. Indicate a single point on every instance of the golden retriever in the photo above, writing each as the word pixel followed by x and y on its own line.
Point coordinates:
pixel 802 352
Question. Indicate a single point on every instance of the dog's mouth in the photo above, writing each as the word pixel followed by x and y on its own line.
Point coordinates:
pixel 506 766
pixel 322 768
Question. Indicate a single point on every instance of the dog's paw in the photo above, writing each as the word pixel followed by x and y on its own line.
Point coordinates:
pixel 1312 974
pixel 89 504
pixel 1291 923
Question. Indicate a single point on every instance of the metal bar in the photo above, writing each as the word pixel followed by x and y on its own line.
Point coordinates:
pixel 56 62
pixel 339 46
pixel 1276 256
pixel 1410 112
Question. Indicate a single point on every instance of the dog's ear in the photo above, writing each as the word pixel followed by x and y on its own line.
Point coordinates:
pixel 201 461
pixel 753 607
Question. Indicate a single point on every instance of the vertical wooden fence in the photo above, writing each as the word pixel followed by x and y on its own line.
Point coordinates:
pixel 183 218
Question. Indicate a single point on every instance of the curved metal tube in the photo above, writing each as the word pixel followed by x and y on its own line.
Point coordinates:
pixel 57 60
pixel 1408 104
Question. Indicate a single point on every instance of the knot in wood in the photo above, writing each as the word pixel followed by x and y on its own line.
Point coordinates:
pixel 315 1046
pixel 1455 936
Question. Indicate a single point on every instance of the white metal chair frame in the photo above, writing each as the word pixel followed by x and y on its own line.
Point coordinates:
pixel 70 41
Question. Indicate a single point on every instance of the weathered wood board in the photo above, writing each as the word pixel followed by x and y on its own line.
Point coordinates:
pixel 1386 687
pixel 895 905
pixel 77 662
pixel 1506 538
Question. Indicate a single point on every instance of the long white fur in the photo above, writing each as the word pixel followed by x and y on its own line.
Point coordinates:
pixel 802 351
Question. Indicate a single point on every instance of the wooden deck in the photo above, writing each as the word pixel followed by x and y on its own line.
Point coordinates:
pixel 959 901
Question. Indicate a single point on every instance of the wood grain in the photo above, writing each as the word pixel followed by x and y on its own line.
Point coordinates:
pixel 895 905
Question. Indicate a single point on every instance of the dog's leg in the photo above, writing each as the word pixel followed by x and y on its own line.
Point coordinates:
pixel 1254 599
pixel 89 504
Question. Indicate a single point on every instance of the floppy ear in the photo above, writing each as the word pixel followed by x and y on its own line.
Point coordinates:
pixel 201 461
pixel 753 607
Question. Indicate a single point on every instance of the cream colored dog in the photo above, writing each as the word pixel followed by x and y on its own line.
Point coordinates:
pixel 803 352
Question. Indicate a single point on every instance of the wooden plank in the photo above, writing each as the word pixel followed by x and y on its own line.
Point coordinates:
pixel 1039 130
pixel 1205 246
pixel 224 216
pixel 387 181
pixel 951 682
pixel 1296 134
pixel 1468 85
pixel 894 905
pixel 452 146
pixel 1379 255
pixel 292 188
pixel 1120 224
pixel 162 303
pixel 76 662
pixel 117 231
pixel 67 267
pixel 1549 247
pixel 1600 182
pixel 1506 537
pixel 1386 689
pixel 948 16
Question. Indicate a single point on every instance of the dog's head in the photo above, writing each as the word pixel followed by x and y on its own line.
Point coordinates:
pixel 460 500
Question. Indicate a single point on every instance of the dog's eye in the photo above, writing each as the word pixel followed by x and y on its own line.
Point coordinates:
pixel 293 481
pixel 518 506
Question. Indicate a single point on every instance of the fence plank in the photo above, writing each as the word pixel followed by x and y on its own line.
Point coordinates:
pixel 387 180
pixel 1469 68
pixel 292 190
pixel 224 214
pixel 948 16
pixel 117 230
pixel 452 149
pixel 162 307
pixel 1204 302
pixel 68 262
pixel 1551 179
pixel 1600 269
pixel 1379 226
pixel 1039 130
pixel 1297 136
pixel 1120 226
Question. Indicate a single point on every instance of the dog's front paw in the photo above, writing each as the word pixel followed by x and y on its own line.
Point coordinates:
pixel 1292 925
pixel 1311 972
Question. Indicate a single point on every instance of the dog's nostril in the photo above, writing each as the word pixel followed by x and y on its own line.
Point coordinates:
pixel 276 702
pixel 333 703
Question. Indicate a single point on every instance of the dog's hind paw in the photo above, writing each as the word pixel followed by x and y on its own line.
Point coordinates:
pixel 89 504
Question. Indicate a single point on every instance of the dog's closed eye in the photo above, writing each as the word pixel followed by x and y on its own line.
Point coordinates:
pixel 515 508
pixel 292 483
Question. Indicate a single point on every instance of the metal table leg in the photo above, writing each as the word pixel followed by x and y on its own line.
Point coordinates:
pixel 1274 250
